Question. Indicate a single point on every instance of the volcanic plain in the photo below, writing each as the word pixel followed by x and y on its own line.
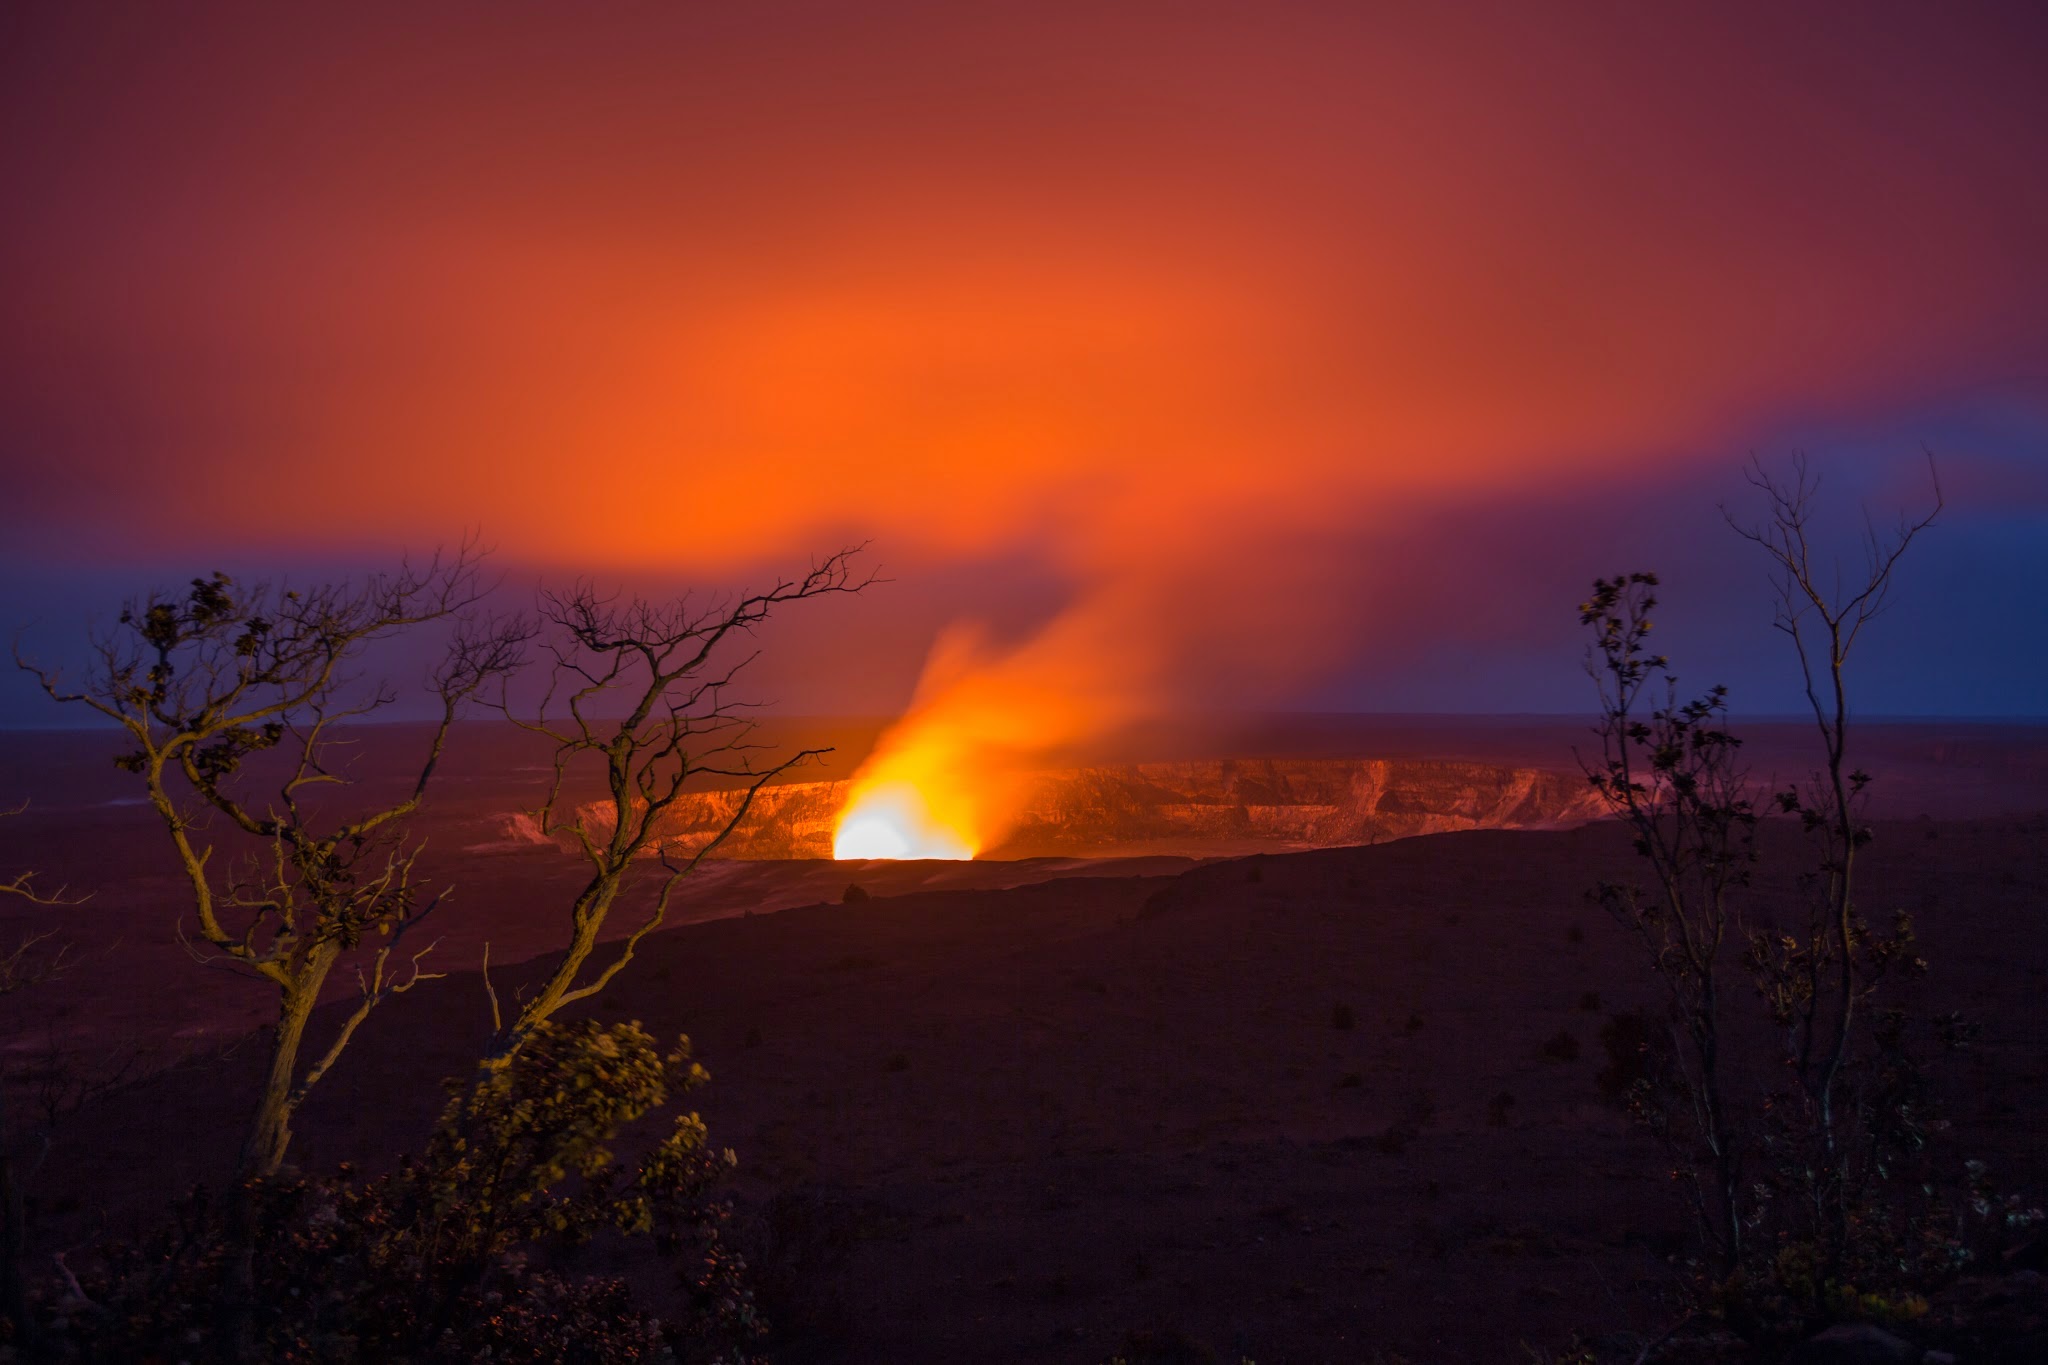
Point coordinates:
pixel 1171 1070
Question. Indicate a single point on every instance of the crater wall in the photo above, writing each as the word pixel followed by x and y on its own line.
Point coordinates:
pixel 1221 806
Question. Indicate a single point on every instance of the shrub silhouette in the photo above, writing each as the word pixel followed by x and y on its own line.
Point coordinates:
pixel 453 1255
pixel 448 1257
pixel 1811 1168
pixel 284 886
pixel 639 697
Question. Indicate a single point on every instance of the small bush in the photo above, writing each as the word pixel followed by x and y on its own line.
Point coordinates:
pixel 1562 1047
pixel 444 1258
pixel 1341 1017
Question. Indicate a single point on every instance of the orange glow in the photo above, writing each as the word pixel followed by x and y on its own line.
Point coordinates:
pixel 952 771
pixel 675 296
pixel 1180 312
pixel 900 819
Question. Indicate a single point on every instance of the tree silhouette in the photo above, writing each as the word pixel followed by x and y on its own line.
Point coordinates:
pixel 285 881
pixel 641 691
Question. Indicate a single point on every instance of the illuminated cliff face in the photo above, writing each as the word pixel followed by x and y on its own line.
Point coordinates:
pixel 1188 808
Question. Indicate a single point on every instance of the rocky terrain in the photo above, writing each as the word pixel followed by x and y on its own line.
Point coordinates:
pixel 1335 1106
pixel 1191 808
pixel 1289 804
pixel 1342 1104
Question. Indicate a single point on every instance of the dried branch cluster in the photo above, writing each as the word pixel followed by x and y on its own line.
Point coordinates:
pixel 640 693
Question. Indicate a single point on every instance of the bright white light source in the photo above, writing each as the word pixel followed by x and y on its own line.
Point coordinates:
pixel 893 821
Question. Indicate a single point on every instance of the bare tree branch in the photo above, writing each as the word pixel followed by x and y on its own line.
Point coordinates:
pixel 1824 624
pixel 22 884
pixel 639 693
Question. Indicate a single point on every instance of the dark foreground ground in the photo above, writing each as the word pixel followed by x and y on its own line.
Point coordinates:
pixel 988 1124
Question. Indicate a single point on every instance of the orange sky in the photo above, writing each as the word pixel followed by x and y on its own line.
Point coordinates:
pixel 1128 291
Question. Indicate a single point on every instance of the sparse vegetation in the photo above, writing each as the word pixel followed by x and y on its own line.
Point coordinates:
pixel 1825 1193
pixel 285 884
pixel 446 1258
pixel 639 693
pixel 226 693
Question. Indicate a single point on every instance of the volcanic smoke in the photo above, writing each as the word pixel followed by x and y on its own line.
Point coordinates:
pixel 946 781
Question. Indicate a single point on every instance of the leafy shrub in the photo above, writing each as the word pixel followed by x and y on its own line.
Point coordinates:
pixel 459 1254
pixel 1811 1164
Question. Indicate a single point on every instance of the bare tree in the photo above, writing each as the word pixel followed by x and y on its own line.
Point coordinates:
pixel 1815 982
pixel 640 691
pixel 284 884
pixel 1785 1175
